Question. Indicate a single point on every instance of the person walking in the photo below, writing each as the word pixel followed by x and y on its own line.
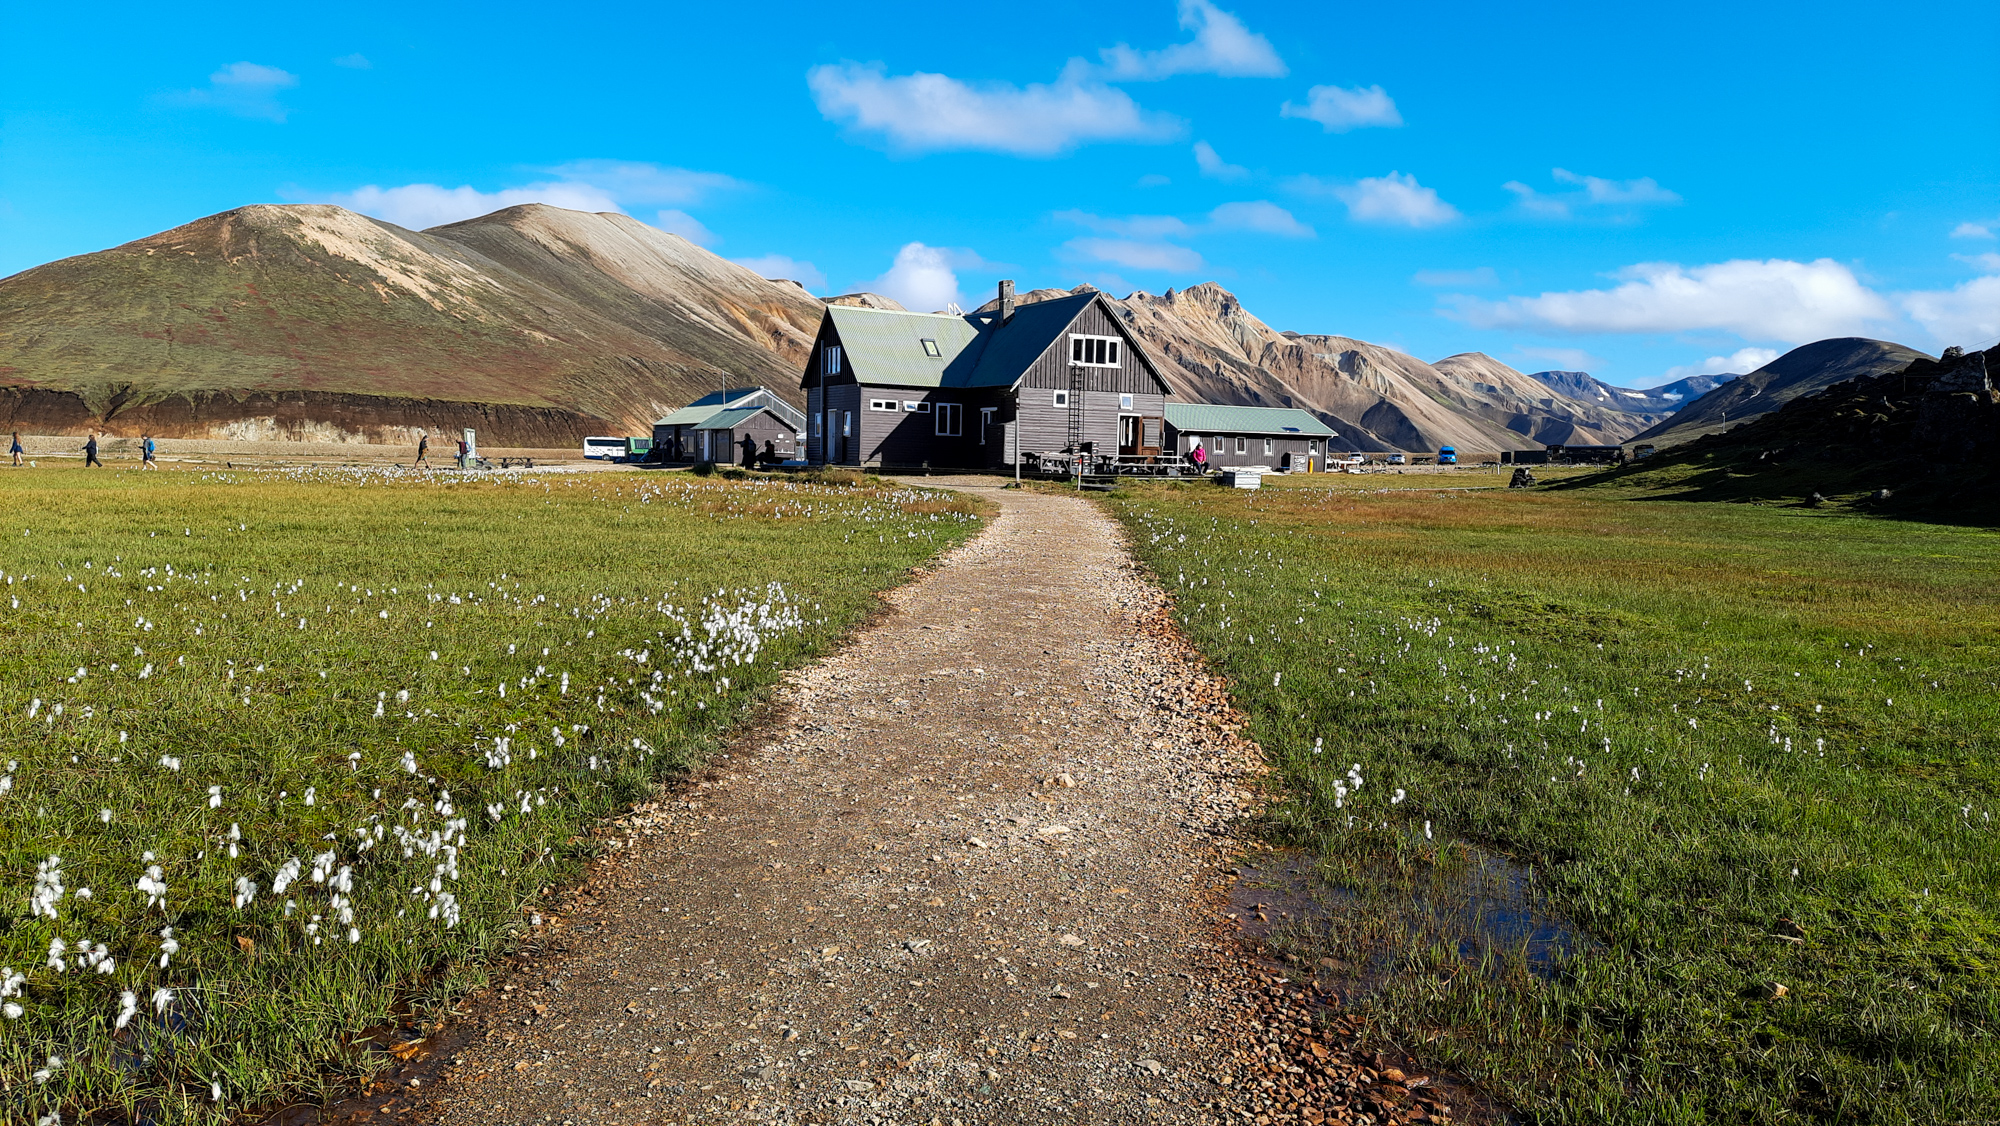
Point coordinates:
pixel 16 449
pixel 90 452
pixel 423 447
pixel 146 451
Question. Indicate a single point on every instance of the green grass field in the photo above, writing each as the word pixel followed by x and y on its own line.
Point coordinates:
pixel 1737 747
pixel 287 753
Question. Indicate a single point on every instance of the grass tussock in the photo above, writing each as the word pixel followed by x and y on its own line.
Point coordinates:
pixel 1738 748
pixel 288 752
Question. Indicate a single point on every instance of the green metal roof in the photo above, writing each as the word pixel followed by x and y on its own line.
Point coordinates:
pixel 731 419
pixel 886 347
pixel 1206 418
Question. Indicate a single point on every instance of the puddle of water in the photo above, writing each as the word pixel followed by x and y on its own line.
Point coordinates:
pixel 1483 904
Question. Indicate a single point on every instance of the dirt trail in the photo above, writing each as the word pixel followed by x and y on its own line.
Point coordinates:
pixel 959 879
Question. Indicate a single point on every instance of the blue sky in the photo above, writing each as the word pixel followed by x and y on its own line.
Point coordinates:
pixel 1637 191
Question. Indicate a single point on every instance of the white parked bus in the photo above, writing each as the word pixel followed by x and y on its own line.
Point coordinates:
pixel 609 449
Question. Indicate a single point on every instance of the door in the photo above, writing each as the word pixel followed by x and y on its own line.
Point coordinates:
pixel 1128 435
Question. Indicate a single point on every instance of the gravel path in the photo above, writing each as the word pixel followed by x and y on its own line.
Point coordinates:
pixel 967 872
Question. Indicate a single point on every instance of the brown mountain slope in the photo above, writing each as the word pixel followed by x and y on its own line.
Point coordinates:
pixel 536 324
pixel 1801 371
pixel 1211 349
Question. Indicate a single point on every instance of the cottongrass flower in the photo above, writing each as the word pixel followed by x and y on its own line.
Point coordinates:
pixel 128 1005
pixel 161 999
pixel 48 1070
pixel 169 946
pixel 48 888
pixel 154 884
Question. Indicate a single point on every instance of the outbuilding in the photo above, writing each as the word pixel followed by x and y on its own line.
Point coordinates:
pixel 735 425
pixel 1282 438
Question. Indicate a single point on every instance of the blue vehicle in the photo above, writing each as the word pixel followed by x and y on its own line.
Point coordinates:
pixel 1447 455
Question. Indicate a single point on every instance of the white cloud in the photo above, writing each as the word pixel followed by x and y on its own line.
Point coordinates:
pixel 1975 230
pixel 244 89
pixel 417 206
pixel 1592 192
pixel 1258 216
pixel 1967 314
pixel 355 61
pixel 925 278
pixel 1214 167
pixel 1134 254
pixel 1989 261
pixel 1340 109
pixel 1134 226
pixel 928 112
pixel 1457 279
pixel 583 185
pixel 778 266
pixel 1395 199
pixel 1565 359
pixel 1221 45
pixel 680 223
pixel 1743 361
pixel 1261 216
pixel 639 183
pixel 1770 300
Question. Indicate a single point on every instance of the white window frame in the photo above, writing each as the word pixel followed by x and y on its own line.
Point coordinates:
pixel 1086 345
pixel 1242 444
pixel 881 404
pixel 986 422
pixel 829 360
pixel 1215 443
pixel 1059 399
pixel 1267 447
pixel 847 424
pixel 916 406
pixel 1124 402
pixel 950 420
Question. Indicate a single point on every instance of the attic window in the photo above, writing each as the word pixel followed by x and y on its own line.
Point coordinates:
pixel 1094 351
pixel 931 349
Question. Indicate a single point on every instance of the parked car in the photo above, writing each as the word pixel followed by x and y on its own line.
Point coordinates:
pixel 1398 459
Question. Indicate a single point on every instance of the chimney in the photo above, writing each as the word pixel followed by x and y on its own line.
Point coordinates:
pixel 1006 301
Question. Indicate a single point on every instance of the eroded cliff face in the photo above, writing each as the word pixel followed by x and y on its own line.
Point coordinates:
pixel 293 416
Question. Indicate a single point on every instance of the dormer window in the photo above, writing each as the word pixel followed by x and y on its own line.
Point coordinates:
pixel 1094 351
pixel 931 349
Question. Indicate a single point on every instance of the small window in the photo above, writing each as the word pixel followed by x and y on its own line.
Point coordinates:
pixel 847 424
pixel 881 404
pixel 1062 398
pixel 931 349
pixel 1242 445
pixel 818 426
pixel 830 360
pixel 985 422
pixel 1312 447
pixel 949 424
pixel 1267 447
pixel 1215 443
pixel 1094 351
pixel 916 406
pixel 1124 402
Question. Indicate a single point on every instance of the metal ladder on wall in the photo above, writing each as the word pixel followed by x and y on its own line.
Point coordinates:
pixel 1078 383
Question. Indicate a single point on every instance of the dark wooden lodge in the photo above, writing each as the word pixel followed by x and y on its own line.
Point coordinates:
pixel 1028 385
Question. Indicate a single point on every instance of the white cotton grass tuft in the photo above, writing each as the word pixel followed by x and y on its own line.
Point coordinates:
pixel 128 1005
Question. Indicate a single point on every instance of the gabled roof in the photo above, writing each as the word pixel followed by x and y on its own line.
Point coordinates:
pixel 1206 418
pixel 886 347
pixel 731 419
pixel 700 413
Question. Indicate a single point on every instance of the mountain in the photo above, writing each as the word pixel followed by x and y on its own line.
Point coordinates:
pixel 539 325
pixel 1801 371
pixel 1212 349
pixel 1662 400
pixel 535 324
pixel 1920 439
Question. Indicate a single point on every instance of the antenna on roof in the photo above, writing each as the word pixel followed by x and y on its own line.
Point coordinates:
pixel 952 308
